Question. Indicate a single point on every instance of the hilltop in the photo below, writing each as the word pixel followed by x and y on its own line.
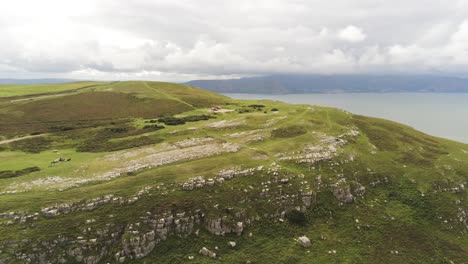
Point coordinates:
pixel 38 108
pixel 152 172
pixel 358 83
pixel 36 81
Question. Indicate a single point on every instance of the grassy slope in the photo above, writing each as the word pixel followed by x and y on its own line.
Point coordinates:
pixel 12 90
pixel 394 216
pixel 103 102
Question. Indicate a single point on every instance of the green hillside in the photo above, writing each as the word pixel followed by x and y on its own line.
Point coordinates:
pixel 147 172
pixel 40 108
pixel 16 90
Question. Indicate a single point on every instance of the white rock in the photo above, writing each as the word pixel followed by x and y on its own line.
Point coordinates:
pixel 206 252
pixel 304 241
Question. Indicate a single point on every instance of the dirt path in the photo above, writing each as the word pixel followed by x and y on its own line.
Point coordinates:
pixel 167 95
pixel 50 94
pixel 17 139
pixel 38 97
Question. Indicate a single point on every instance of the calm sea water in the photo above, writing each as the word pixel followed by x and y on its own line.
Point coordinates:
pixel 439 114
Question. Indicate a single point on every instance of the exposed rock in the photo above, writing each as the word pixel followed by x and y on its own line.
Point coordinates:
pixel 232 244
pixel 358 189
pixel 226 123
pixel 151 157
pixel 304 241
pixel 222 226
pixel 343 193
pixel 227 174
pixel 325 150
pixel 206 252
pixel 284 180
pixel 50 212
pixel 308 198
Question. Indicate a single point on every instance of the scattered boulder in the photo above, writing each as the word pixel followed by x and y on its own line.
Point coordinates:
pixel 232 244
pixel 206 252
pixel 358 189
pixel 304 241
pixel 50 213
pixel 284 180
pixel 342 192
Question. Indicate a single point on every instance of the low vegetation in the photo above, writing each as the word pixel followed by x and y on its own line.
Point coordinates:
pixel 175 121
pixel 163 180
pixel 32 145
pixel 103 145
pixel 296 217
pixel 118 138
pixel 12 174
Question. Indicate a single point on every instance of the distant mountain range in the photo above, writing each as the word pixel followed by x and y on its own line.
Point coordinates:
pixel 294 84
pixel 284 84
pixel 34 81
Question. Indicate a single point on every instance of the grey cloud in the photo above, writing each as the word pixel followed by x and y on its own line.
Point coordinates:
pixel 186 39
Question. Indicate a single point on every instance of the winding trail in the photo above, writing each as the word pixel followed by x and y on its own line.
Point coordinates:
pixel 167 95
pixel 19 138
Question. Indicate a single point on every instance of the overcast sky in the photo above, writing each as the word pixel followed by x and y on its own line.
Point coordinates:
pixel 179 40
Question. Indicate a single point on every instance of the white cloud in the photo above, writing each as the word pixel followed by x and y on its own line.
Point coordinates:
pixel 162 39
pixel 352 34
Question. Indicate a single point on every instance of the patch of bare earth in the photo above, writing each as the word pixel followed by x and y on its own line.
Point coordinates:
pixel 226 123
pixel 131 161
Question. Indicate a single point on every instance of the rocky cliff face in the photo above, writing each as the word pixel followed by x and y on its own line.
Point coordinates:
pixel 137 239
pixel 133 241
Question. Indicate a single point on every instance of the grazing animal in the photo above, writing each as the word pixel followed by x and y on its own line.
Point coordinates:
pixel 56 161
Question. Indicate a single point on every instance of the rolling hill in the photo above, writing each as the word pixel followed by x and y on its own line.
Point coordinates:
pixel 37 108
pixel 36 81
pixel 151 172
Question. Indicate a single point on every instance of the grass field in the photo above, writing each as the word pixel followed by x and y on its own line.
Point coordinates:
pixel 413 210
pixel 11 90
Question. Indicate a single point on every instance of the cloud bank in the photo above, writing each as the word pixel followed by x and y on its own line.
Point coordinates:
pixel 182 40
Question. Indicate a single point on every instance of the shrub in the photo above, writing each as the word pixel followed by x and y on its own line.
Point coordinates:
pixel 194 118
pixel 256 106
pixel 244 110
pixel 31 145
pixel 102 145
pixel 7 174
pixel 12 174
pixel 274 109
pixel 174 121
pixel 153 127
pixel 171 121
pixel 118 129
pixel 296 217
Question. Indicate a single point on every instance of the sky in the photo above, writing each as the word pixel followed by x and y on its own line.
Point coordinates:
pixel 206 39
